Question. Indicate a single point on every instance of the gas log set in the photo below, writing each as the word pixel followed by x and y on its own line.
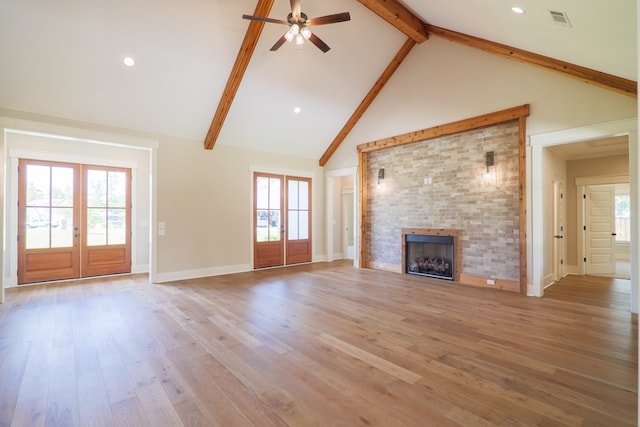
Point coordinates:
pixel 429 255
pixel 431 266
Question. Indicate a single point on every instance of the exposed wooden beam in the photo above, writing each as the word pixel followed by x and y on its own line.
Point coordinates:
pixel 587 75
pixel 366 102
pixel 522 202
pixel 478 122
pixel 400 17
pixel 237 72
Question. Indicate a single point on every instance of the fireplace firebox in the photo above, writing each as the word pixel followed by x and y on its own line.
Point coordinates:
pixel 430 253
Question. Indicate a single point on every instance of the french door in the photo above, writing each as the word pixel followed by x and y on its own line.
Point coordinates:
pixel 73 220
pixel 281 220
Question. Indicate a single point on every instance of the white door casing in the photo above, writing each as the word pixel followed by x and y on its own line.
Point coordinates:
pixel 348 250
pixel 558 229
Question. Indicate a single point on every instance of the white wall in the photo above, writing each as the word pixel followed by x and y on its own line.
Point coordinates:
pixel 205 199
pixel 441 82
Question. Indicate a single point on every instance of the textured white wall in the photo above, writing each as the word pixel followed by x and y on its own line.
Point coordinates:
pixel 441 82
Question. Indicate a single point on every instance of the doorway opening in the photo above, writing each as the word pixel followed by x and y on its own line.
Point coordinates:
pixel 613 138
pixel 607 230
pixel 341 215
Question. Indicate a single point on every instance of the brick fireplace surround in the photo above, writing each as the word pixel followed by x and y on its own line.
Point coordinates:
pixel 438 184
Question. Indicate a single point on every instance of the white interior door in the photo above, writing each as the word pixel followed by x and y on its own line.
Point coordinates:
pixel 558 229
pixel 600 229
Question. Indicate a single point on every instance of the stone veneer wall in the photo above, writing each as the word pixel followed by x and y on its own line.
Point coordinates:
pixel 459 196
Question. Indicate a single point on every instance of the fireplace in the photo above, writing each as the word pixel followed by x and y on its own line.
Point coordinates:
pixel 430 253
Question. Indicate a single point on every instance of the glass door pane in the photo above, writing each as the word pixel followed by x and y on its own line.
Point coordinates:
pixel 298 210
pixel 267 209
pixel 298 241
pixel 106 207
pixel 49 207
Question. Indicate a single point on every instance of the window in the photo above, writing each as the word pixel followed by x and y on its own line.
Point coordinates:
pixel 623 217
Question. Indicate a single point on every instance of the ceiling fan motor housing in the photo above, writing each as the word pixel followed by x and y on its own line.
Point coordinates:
pixel 292 19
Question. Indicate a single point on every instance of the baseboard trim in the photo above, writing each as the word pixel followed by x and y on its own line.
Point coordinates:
pixel 202 272
pixel 481 282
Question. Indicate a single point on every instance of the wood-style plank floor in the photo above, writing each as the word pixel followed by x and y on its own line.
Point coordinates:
pixel 322 344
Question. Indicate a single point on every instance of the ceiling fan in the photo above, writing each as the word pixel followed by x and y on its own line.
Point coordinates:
pixel 298 23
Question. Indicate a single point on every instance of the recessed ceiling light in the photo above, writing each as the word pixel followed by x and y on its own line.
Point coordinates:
pixel 297 110
pixel 129 62
pixel 518 10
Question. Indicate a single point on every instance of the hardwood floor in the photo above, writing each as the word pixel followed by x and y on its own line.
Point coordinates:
pixel 599 291
pixel 321 344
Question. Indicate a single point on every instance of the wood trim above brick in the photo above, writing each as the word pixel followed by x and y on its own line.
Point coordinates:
pixel 460 126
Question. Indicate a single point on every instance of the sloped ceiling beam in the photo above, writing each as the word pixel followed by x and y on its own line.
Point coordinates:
pixel 237 72
pixel 400 17
pixel 404 20
pixel 366 102
pixel 587 75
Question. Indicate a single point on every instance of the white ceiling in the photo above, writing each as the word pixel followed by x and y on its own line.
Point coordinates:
pixel 614 146
pixel 64 58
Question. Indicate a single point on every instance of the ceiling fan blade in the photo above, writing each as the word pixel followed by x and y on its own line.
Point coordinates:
pixel 329 19
pixel 263 19
pixel 295 9
pixel 282 40
pixel 319 43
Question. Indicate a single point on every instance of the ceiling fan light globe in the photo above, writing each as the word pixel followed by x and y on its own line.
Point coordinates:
pixel 289 36
pixel 306 33
pixel 299 39
pixel 295 29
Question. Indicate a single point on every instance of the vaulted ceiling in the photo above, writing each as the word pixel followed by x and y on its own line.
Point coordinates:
pixel 64 59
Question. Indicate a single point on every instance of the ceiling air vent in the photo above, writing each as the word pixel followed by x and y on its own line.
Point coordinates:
pixel 560 18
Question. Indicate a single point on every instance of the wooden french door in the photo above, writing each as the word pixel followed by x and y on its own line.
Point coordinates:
pixel 298 220
pixel 74 221
pixel 274 243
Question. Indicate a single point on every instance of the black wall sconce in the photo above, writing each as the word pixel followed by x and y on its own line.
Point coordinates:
pixel 380 175
pixel 489 161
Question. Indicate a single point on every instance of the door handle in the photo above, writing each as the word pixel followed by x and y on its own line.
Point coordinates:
pixel 614 234
pixel 558 236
